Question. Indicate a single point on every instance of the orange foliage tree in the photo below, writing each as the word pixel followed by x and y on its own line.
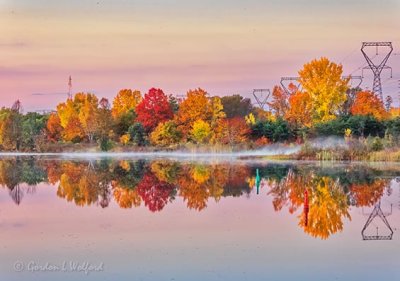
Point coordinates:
pixel 68 112
pixel 280 100
pixel 198 106
pixel 232 131
pixel 368 103
pixel 53 127
pixel 300 110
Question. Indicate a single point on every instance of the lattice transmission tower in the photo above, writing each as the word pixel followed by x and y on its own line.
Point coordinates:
pixel 286 81
pixel 377 67
pixel 261 96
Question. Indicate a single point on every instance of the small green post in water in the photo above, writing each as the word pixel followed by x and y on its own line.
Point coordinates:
pixel 258 180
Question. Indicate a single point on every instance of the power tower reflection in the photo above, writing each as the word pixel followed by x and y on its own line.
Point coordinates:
pixel 377 212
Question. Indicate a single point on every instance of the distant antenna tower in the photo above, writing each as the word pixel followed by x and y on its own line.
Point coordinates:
pixel 377 68
pixel 261 96
pixel 70 87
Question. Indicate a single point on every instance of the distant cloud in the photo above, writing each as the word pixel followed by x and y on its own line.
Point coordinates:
pixel 15 71
pixel 16 44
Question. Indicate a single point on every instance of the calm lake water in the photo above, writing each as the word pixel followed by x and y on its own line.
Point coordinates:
pixel 197 219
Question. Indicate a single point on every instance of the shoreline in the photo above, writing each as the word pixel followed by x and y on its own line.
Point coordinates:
pixel 256 156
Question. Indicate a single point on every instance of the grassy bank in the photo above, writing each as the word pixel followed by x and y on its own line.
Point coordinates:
pixel 369 149
pixel 327 149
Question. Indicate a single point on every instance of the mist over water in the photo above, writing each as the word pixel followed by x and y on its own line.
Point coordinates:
pixel 268 150
pixel 328 142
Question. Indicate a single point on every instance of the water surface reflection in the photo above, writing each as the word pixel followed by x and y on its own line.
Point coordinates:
pixel 320 196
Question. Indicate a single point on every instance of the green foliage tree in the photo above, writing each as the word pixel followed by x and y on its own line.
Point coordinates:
pixel 137 133
pixel 360 125
pixel 278 130
pixel 173 103
pixel 124 121
pixel 33 125
pixel 10 128
pixel 236 106
pixel 393 127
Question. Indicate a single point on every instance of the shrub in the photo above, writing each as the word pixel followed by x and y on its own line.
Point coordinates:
pixel 376 144
pixel 277 130
pixel 262 141
pixel 124 139
pixel 105 144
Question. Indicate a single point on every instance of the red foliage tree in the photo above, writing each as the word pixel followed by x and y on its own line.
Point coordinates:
pixel 154 109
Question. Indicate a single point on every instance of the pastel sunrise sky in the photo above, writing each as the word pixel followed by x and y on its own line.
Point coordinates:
pixel 225 47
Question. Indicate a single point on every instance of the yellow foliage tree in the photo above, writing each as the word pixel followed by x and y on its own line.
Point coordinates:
pixel 322 80
pixel 125 101
pixel 68 112
pixel 250 119
pixel 88 115
pixel 201 131
pixel 165 134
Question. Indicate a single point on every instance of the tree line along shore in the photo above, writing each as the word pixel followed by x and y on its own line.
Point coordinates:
pixel 325 105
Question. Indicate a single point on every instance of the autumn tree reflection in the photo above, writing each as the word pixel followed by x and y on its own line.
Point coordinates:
pixel 155 193
pixel 20 177
pixel 78 183
pixel 126 197
pixel 327 207
pixel 321 197
pixel 368 194
pixel 323 201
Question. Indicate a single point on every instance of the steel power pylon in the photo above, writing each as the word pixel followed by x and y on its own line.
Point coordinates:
pixel 261 96
pixel 359 80
pixel 377 68
pixel 377 212
pixel 289 80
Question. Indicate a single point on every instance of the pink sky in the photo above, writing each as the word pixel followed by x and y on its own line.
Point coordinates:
pixel 225 48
